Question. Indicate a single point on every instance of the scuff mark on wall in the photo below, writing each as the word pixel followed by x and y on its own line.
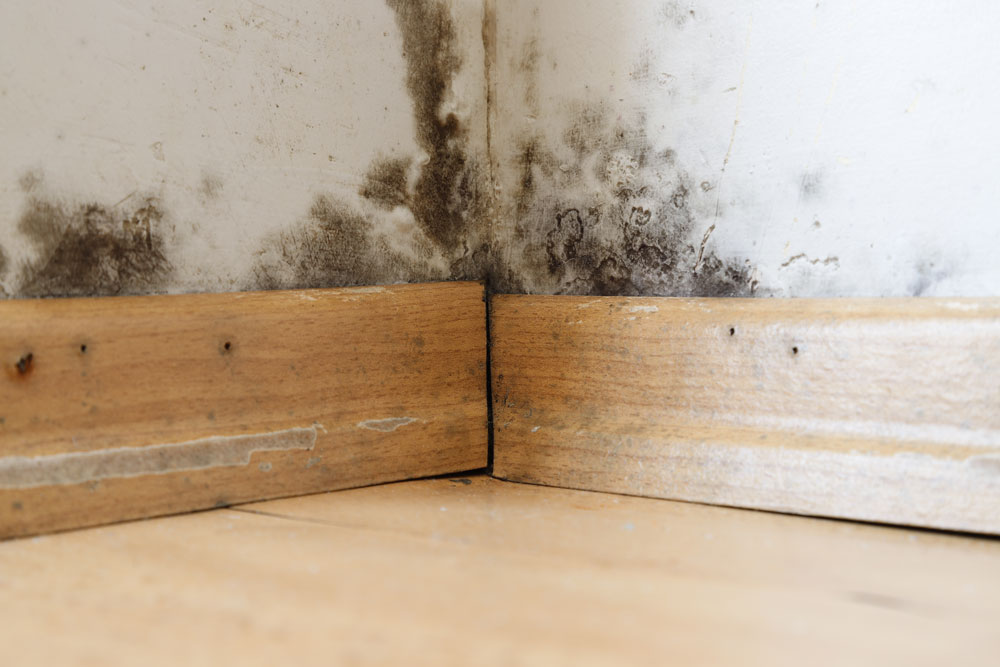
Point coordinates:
pixel 92 249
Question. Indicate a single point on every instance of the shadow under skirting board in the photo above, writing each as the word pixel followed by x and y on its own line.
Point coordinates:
pixel 130 407
pixel 884 410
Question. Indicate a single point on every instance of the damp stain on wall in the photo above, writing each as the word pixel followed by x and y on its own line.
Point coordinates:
pixel 600 211
pixel 335 245
pixel 444 195
pixel 386 183
pixel 92 249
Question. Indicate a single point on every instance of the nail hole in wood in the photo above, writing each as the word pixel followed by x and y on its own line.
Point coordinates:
pixel 732 331
pixel 83 349
pixel 24 363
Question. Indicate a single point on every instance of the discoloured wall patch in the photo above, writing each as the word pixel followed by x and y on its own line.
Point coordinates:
pixel 442 193
pixel 386 182
pixel 447 190
pixel 334 246
pixel 603 212
pixel 93 249
pixel 20 472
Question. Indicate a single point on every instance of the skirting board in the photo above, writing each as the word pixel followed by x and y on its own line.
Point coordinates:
pixel 121 408
pixel 884 410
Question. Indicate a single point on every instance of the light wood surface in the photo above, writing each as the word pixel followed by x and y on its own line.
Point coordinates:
pixel 882 410
pixel 479 571
pixel 129 407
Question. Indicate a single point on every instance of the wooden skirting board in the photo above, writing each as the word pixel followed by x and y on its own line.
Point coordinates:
pixel 120 408
pixel 884 410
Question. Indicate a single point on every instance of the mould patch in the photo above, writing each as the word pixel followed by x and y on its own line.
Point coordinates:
pixel 386 183
pixel 677 13
pixel 210 187
pixel 929 271
pixel 446 194
pixel 21 472
pixel 335 245
pixel 417 218
pixel 603 212
pixel 92 249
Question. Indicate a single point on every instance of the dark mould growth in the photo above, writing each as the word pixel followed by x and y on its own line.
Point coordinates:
pixel 334 246
pixel 446 193
pixel 386 182
pixel 339 243
pixel 92 249
pixel 606 213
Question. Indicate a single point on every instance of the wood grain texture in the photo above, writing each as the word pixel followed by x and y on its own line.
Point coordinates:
pixel 880 410
pixel 121 408
pixel 479 571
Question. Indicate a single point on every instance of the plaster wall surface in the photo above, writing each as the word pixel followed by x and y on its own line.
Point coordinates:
pixel 660 147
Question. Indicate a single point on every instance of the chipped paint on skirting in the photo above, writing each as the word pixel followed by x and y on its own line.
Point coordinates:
pixel 21 472
pixel 386 425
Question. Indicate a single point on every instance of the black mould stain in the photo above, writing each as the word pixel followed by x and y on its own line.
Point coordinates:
pixel 3 262
pixel 338 242
pixel 386 182
pixel 929 271
pixel 92 249
pixel 334 245
pixel 446 193
pixel 613 216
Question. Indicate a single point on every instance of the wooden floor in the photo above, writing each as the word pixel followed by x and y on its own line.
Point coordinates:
pixel 479 571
